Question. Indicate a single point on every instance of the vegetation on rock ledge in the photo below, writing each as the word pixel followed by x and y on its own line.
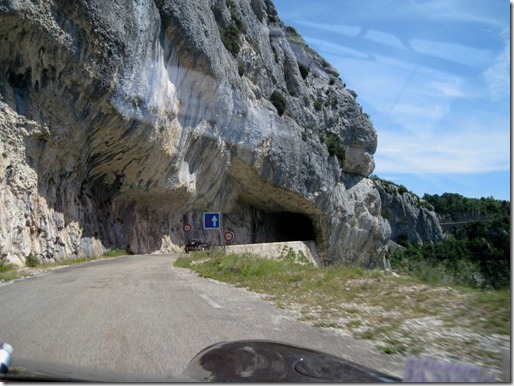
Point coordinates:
pixel 334 147
pixel 279 101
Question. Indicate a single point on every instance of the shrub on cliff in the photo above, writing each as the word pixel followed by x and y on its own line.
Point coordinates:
pixel 334 147
pixel 230 37
pixel 31 261
pixel 279 101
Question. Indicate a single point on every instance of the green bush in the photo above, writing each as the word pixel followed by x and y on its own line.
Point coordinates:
pixel 454 204
pixel 4 267
pixel 486 242
pixel 292 31
pixel 230 37
pixel 386 213
pixel 334 147
pixel 402 189
pixel 469 263
pixel 31 261
pixel 279 101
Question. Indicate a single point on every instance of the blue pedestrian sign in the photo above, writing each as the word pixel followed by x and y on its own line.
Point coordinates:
pixel 211 220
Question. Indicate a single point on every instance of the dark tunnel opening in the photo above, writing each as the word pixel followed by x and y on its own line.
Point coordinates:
pixel 292 227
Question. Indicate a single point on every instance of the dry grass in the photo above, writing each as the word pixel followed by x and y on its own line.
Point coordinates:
pixel 400 314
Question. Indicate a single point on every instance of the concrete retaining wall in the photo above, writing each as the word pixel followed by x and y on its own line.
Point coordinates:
pixel 275 250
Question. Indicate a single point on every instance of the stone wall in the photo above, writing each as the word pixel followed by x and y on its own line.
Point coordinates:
pixel 279 250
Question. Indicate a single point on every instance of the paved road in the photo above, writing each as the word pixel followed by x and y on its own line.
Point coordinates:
pixel 141 314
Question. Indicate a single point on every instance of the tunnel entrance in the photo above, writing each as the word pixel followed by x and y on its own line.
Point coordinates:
pixel 291 227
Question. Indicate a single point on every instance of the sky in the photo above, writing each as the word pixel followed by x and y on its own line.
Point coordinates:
pixel 434 77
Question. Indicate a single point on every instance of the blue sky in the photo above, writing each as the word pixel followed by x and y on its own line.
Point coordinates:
pixel 434 76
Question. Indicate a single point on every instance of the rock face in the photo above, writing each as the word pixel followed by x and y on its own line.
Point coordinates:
pixel 122 121
pixel 410 218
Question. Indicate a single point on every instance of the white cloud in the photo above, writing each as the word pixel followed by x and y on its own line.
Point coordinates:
pixel 419 117
pixel 387 39
pixel 497 76
pixel 467 149
pixel 458 53
pixel 326 48
pixel 456 11
pixel 450 90
pixel 346 30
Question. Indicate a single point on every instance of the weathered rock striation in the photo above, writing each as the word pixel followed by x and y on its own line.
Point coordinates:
pixel 411 219
pixel 122 121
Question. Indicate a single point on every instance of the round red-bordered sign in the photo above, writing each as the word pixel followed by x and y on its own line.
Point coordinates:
pixel 187 227
pixel 229 236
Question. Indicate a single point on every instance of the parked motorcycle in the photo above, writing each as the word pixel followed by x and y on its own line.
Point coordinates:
pixel 196 245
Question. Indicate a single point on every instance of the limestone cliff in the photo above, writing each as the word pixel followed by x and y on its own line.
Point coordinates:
pixel 410 218
pixel 121 121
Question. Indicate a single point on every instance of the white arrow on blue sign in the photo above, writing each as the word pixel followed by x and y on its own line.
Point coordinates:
pixel 211 220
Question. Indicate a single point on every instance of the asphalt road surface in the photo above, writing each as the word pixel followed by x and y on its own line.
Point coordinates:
pixel 139 314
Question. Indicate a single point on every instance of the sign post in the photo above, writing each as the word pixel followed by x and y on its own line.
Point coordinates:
pixel 212 221
pixel 228 236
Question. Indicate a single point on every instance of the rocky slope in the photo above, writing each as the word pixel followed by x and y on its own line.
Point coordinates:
pixel 122 121
pixel 410 218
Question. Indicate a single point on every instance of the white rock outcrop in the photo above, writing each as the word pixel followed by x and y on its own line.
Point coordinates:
pixel 122 121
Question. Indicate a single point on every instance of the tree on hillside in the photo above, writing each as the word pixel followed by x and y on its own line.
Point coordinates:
pixel 476 255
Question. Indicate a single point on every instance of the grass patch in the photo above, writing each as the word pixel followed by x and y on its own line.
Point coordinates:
pixel 10 272
pixel 115 253
pixel 404 315
pixel 327 325
pixel 78 260
pixel 394 346
pixel 485 312
pixel 353 324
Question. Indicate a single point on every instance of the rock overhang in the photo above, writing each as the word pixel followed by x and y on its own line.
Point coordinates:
pixel 170 127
